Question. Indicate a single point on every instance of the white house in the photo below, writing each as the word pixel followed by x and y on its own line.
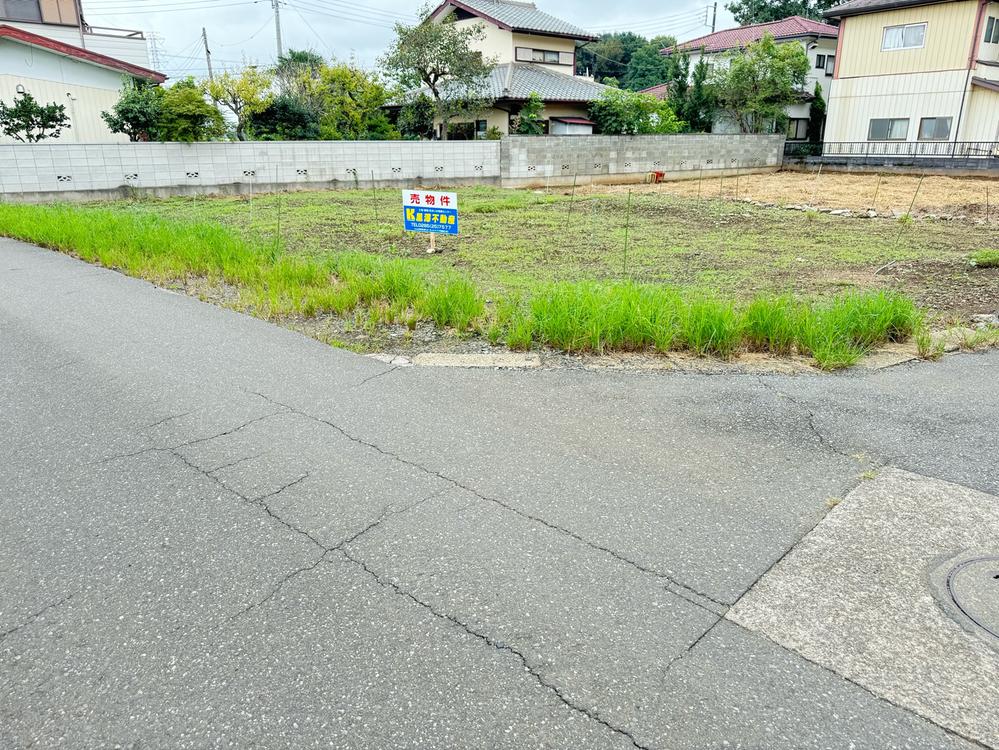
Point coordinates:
pixel 535 52
pixel 916 77
pixel 818 39
pixel 85 82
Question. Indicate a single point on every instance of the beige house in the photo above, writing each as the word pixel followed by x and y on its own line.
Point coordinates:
pixel 916 72
pixel 48 51
pixel 534 52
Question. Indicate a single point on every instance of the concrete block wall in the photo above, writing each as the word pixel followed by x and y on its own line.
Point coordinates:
pixel 54 171
pixel 165 168
pixel 562 158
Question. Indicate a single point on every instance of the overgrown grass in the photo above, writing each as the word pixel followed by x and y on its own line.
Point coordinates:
pixel 571 316
pixel 985 259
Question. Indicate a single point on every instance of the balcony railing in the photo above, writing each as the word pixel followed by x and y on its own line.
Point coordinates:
pixel 890 150
pixel 109 31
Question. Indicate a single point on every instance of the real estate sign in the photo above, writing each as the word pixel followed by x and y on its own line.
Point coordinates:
pixel 430 211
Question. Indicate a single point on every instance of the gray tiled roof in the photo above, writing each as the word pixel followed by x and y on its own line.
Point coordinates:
pixel 518 81
pixel 525 16
pixel 855 7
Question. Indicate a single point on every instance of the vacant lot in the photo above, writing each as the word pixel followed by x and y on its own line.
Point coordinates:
pixel 974 198
pixel 511 240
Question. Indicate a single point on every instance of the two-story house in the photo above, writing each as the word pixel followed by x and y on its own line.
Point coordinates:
pixel 915 71
pixel 818 40
pixel 535 53
pixel 49 51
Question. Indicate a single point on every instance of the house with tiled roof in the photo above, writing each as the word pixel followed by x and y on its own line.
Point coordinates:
pixel 818 39
pixel 916 77
pixel 49 51
pixel 535 52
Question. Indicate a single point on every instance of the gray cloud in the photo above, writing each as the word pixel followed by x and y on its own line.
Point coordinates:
pixel 242 31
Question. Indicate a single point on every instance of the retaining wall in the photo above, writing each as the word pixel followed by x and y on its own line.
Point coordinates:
pixel 41 172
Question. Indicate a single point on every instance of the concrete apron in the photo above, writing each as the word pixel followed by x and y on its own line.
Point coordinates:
pixel 897 590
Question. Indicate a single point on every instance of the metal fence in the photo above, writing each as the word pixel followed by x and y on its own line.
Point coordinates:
pixel 892 150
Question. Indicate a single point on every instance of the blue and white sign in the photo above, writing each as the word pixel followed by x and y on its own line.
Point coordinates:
pixel 430 211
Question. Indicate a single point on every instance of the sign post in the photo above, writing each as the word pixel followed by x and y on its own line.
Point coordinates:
pixel 431 212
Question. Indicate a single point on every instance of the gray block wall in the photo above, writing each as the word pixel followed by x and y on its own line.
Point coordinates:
pixel 66 171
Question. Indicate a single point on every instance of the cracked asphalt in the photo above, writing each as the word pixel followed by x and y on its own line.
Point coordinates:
pixel 218 533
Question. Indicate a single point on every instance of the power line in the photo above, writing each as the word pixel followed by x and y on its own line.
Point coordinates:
pixel 639 23
pixel 310 28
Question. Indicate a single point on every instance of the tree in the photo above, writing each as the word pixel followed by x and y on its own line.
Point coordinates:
pixel 187 116
pixel 648 66
pixel 416 117
pixel 759 83
pixel 138 111
pixel 689 95
pixel 440 58
pixel 351 104
pixel 286 118
pixel 763 11
pixel 619 112
pixel 29 122
pixel 243 95
pixel 816 115
pixel 609 56
pixel 528 121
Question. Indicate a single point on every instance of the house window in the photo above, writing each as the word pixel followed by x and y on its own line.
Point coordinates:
pixel 830 64
pixel 909 36
pixel 21 10
pixel 934 128
pixel 797 129
pixel 992 31
pixel 820 62
pixel 481 126
pixel 544 56
pixel 888 129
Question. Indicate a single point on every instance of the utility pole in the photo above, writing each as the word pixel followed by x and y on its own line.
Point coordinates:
pixel 714 17
pixel 277 26
pixel 208 54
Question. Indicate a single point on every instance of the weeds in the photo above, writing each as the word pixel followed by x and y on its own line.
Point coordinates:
pixel 984 259
pixel 453 302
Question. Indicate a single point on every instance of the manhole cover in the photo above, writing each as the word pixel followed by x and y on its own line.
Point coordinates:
pixel 973 587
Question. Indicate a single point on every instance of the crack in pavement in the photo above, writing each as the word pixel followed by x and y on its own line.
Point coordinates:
pixel 383 516
pixel 33 617
pixel 376 376
pixel 499 646
pixel 686 592
pixel 165 420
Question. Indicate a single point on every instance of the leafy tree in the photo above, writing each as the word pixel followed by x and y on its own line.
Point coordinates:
pixel 351 104
pixel 764 11
pixel 137 112
pixel 441 58
pixel 293 64
pixel 619 112
pixel 528 121
pixel 187 116
pixel 689 95
pixel 816 115
pixel 29 122
pixel 759 83
pixel 609 56
pixel 648 66
pixel 243 95
pixel 286 118
pixel 416 117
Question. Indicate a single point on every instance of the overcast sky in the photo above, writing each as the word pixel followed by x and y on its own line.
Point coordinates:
pixel 243 30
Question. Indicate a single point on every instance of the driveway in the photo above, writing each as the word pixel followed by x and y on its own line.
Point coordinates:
pixel 218 533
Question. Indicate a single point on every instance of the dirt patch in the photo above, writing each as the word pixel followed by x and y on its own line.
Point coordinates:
pixel 969 197
pixel 953 287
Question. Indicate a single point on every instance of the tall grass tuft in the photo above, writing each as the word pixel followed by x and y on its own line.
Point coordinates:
pixel 454 301
pixel 770 324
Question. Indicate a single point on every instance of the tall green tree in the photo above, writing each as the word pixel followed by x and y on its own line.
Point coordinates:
pixel 759 83
pixel 242 94
pixel 351 104
pixel 286 118
pixel 187 116
pixel 30 122
pixel 609 56
pixel 763 11
pixel 816 115
pixel 416 117
pixel 440 58
pixel 648 66
pixel 138 111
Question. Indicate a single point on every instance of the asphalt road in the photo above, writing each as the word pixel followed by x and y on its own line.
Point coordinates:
pixel 218 533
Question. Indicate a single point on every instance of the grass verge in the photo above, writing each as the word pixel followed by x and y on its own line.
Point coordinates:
pixel 571 316
pixel 985 259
